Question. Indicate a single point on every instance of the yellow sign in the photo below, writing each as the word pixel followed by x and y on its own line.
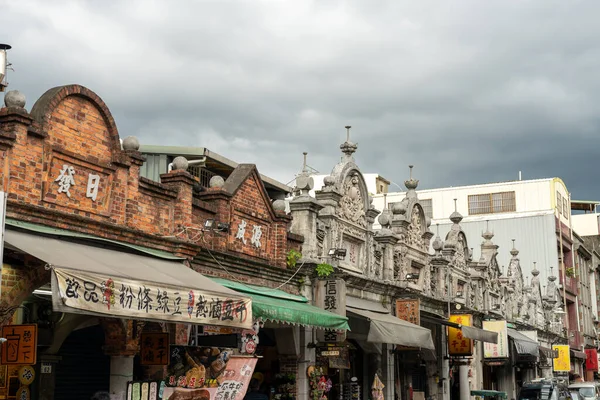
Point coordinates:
pixel 21 345
pixel 458 345
pixel 23 393
pixel 562 363
pixel 26 375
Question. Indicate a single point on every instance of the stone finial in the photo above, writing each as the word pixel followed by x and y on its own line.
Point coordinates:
pixel 399 208
pixel 487 235
pixel 279 205
pixel 131 143
pixel 456 217
pixel 535 271
pixel 411 184
pixel 348 148
pixel 552 278
pixel 304 182
pixel 514 252
pixel 180 163
pixel 329 180
pixel 217 181
pixel 437 243
pixel 14 98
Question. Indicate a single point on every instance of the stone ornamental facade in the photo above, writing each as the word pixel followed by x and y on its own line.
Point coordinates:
pixel 451 277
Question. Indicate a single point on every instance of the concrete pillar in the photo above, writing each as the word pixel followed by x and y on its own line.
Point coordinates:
pixel 121 372
pixel 445 376
pixel 387 377
pixel 47 376
pixel 463 376
pixel 307 357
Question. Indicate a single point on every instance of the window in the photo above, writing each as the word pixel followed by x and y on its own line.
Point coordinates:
pixel 492 203
pixel 566 208
pixel 427 205
pixel 559 202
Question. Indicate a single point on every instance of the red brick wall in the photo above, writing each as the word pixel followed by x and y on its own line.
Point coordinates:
pixel 72 126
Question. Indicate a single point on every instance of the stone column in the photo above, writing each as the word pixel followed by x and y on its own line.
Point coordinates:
pixel 388 371
pixel 465 387
pixel 47 376
pixel 305 210
pixel 307 357
pixel 388 240
pixel 121 372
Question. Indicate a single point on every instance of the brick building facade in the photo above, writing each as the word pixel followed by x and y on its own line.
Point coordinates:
pixel 67 174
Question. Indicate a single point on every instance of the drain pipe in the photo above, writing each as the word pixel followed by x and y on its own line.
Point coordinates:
pixel 200 161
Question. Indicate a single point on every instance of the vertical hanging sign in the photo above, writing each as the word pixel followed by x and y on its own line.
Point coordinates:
pixel 458 345
pixel 330 295
pixel 409 310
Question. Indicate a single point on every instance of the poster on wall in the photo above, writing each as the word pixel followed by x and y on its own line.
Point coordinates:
pixel 562 363
pixel 500 349
pixel 196 367
pixel 233 386
pixel 458 345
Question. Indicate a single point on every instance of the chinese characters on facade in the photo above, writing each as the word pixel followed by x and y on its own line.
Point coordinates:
pixel 66 179
pixel 131 298
pixel 154 349
pixel 256 234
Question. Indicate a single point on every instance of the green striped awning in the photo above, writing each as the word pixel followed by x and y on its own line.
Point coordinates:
pixel 278 306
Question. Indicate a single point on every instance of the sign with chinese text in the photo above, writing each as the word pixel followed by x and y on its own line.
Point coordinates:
pixel 146 300
pixel 562 363
pixel 26 375
pixel 154 349
pixel 79 184
pixel 330 295
pixel 145 390
pixel 20 347
pixel 409 310
pixel 500 349
pixel 341 361
pixel 232 386
pixel 591 360
pixel 458 345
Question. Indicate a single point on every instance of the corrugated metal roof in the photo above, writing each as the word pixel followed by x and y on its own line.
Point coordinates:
pixel 157 159
pixel 535 238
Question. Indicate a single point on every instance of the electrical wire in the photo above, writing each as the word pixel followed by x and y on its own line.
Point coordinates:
pixel 238 281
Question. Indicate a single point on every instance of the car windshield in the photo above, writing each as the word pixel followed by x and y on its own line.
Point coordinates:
pixel 586 392
pixel 574 395
pixel 539 393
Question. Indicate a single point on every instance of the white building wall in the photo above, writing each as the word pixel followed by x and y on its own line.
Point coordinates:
pixel 530 196
pixel 586 224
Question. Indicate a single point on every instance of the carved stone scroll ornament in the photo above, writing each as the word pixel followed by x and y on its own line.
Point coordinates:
pixel 352 206
pixel 416 229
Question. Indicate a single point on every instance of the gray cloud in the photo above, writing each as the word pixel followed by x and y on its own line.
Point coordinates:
pixel 468 91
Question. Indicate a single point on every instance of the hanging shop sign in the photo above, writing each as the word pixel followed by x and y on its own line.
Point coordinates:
pixel 145 300
pixel 26 375
pixel 591 360
pixel 500 349
pixel 341 361
pixel 458 345
pixel 409 310
pixel 20 347
pixel 154 349
pixel 330 295
pixel 562 363
pixel 232 385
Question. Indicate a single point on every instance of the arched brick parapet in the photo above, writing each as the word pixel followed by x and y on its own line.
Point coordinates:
pixel 18 283
pixel 42 109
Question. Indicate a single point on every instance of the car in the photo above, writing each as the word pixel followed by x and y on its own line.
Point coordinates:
pixel 545 389
pixel 586 390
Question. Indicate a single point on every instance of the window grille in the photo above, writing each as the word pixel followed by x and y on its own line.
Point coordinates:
pixel 492 203
pixel 559 203
pixel 203 174
pixel 427 205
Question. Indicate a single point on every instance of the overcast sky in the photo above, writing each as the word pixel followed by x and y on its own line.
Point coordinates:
pixel 468 91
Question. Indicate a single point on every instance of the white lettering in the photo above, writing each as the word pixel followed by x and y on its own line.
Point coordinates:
pixel 92 186
pixel 256 235
pixel 65 179
pixel 241 231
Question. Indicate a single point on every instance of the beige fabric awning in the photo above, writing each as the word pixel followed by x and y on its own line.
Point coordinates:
pixel 385 328
pixel 100 281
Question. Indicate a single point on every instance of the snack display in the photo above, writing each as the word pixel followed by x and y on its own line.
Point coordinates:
pixel 196 367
